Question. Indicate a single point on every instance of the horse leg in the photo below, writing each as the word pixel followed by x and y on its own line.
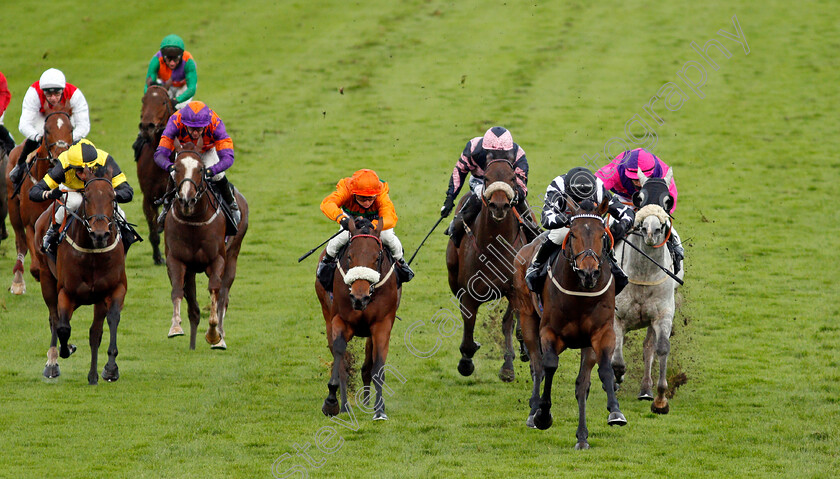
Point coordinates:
pixel 506 374
pixel 469 308
pixel 151 213
pixel 33 243
pixel 50 294
pixel 523 349
pixel 176 271
pixel 530 334
pixel 618 364
pixel 604 345
pixel 95 339
pixel 18 282
pixel 381 334
pixel 542 417
pixel 228 276
pixel 111 372
pixel 193 309
pixel 214 272
pixel 65 313
pixel 339 346
pixel 646 392
pixel 582 383
pixel 663 347
pixel 366 371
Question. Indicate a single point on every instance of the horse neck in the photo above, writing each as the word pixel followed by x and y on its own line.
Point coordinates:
pixel 488 231
pixel 637 265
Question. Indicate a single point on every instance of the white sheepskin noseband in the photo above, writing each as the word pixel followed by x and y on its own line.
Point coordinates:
pixel 651 210
pixel 499 186
pixel 360 272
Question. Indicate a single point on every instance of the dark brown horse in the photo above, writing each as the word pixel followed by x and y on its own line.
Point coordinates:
pixel 195 242
pixel 481 269
pixel 364 303
pixel 153 180
pixel 89 269
pixel 578 301
pixel 4 200
pixel 23 212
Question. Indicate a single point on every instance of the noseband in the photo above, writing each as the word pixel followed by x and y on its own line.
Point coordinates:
pixel 373 285
pixel 484 185
pixel 589 252
pixel 86 219
pixel 200 186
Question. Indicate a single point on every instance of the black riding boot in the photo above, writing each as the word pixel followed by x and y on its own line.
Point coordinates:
pixel 7 143
pixel 404 271
pixel 326 271
pixel 50 242
pixel 677 253
pixel 529 227
pixel 138 145
pixel 16 175
pixel 535 276
pixel 464 217
pixel 129 235
pixel 226 190
pixel 619 276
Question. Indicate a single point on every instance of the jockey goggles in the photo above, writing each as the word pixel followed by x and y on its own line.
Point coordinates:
pixel 52 91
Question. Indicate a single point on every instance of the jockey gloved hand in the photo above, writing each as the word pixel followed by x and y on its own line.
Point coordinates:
pixel 447 206
pixel 208 174
pixel 345 223
pixel 52 194
pixel 618 231
pixel 171 170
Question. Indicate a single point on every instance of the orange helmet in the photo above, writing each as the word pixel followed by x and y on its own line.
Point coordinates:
pixel 365 183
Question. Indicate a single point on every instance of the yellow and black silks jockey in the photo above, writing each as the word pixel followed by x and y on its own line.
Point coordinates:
pixel 63 180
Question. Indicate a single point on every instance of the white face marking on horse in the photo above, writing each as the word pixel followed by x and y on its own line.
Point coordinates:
pixel 190 165
pixel 60 123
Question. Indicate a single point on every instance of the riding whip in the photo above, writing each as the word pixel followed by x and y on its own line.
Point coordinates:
pixel 672 275
pixel 322 244
pixel 424 239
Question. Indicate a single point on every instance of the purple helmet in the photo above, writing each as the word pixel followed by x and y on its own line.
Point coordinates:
pixel 196 114
pixel 497 138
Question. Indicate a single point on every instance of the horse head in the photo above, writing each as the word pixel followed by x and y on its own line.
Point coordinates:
pixel 98 205
pixel 156 111
pixel 364 261
pixel 58 136
pixel 588 242
pixel 189 176
pixel 499 188
pixel 654 191
pixel 653 224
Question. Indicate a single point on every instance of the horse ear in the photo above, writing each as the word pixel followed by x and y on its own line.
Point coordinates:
pixel 200 145
pixel 177 145
pixel 572 206
pixel 379 225
pixel 669 176
pixel 642 178
pixel 351 227
pixel 604 206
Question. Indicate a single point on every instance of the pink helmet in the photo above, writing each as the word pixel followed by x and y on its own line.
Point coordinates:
pixel 638 158
pixel 497 138
pixel 196 114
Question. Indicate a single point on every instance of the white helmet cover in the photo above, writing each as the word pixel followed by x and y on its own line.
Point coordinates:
pixel 52 78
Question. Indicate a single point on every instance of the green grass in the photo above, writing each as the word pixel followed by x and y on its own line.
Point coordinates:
pixel 754 159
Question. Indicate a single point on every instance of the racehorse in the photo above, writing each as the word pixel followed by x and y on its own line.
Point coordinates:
pixel 195 242
pixel 23 212
pixel 4 200
pixel 576 311
pixel 481 269
pixel 89 268
pixel 364 303
pixel 648 300
pixel 153 180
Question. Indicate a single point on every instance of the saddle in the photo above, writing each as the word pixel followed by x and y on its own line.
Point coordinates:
pixel 230 225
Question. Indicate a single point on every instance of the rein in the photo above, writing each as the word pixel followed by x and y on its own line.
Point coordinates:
pixel 585 253
pixel 378 269
pixel 85 221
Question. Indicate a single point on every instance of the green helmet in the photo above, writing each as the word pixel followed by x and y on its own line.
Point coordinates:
pixel 172 42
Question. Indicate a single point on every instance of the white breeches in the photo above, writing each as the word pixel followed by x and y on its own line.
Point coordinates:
pixel 175 91
pixel 476 186
pixel 72 201
pixel 557 236
pixel 389 239
pixel 1 117
pixel 210 158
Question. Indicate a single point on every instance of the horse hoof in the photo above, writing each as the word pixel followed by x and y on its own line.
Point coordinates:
pixel 660 409
pixel 466 367
pixel 18 289
pixel 111 375
pixel 524 356
pixel 645 396
pixel 380 416
pixel 543 420
pixel 175 331
pixel 220 345
pixel 530 422
pixel 507 375
pixel 93 378
pixel 159 262
pixel 51 372
pixel 616 419
pixel 212 338
pixel 582 445
pixel 66 351
pixel 330 407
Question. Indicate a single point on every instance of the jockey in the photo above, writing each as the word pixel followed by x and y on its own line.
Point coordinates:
pixel 361 195
pixel 621 177
pixel 63 179
pixel 173 68
pixel 580 185
pixel 7 143
pixel 50 93
pixel 497 143
pixel 188 125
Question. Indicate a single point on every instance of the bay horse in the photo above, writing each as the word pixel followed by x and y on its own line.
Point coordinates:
pixel 363 303
pixel 4 200
pixel 481 269
pixel 23 212
pixel 648 301
pixel 195 242
pixel 153 180
pixel 576 311
pixel 89 268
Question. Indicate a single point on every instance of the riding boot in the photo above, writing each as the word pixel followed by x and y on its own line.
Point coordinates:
pixel 326 271
pixel 226 190
pixel 161 219
pixel 138 145
pixel 129 235
pixel 404 271
pixel 677 252
pixel 50 242
pixel 464 218
pixel 619 276
pixel 535 275
pixel 529 227
pixel 7 143
pixel 16 175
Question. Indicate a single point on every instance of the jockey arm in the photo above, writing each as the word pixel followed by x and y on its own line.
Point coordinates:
pixel 331 205
pixel 80 118
pixel 29 113
pixel 5 94
pixel 465 164
pixel 385 208
pixel 47 188
pixel 152 72
pixel 520 168
pixel 223 144
pixel 554 210
pixel 167 144
pixel 192 81
pixel 623 214
pixel 123 191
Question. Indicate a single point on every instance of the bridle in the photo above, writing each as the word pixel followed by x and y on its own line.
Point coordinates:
pixel 51 146
pixel 379 259
pixel 201 186
pixel 572 257
pixel 87 218
pixel 160 126
pixel 484 185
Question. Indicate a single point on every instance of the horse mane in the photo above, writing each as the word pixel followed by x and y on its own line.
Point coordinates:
pixel 651 210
